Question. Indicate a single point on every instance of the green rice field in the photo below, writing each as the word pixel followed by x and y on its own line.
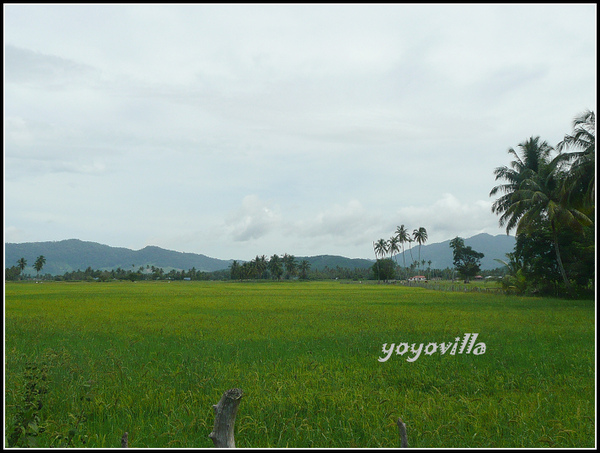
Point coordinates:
pixel 86 362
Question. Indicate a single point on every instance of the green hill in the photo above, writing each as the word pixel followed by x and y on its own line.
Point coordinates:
pixel 440 253
pixel 320 262
pixel 73 254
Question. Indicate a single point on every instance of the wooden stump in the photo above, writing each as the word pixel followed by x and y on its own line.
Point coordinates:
pixel 225 412
pixel 402 429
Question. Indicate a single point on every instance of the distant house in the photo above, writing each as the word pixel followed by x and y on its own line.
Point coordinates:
pixel 418 278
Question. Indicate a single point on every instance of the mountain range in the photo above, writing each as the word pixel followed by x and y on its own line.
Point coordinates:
pixel 73 254
pixel 440 254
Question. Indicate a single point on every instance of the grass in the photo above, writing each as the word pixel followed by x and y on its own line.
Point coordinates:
pixel 152 358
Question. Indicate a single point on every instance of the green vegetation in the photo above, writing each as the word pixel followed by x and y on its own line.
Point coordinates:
pixel 86 362
pixel 386 269
pixel 276 268
pixel 466 260
pixel 39 263
pixel 550 201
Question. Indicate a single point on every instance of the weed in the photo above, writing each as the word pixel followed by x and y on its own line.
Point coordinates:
pixel 27 425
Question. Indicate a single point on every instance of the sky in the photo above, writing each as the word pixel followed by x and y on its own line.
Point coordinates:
pixel 241 130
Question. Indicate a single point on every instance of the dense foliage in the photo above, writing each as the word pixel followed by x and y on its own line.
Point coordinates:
pixel 549 198
pixel 466 260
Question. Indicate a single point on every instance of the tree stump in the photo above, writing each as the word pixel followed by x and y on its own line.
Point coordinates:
pixel 402 429
pixel 225 412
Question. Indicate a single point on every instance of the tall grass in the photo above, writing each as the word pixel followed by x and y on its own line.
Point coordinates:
pixel 152 358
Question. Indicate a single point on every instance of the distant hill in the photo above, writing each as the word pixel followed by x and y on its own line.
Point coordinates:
pixel 73 254
pixel 320 262
pixel 440 253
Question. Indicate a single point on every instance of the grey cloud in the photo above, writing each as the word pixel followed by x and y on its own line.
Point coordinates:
pixel 449 215
pixel 22 167
pixel 335 116
pixel 26 66
pixel 253 220
pixel 337 220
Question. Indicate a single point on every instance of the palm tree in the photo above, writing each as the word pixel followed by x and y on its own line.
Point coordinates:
pixel 235 270
pixel 304 267
pixel 410 241
pixel 533 194
pixel 21 263
pixel 420 237
pixel 276 267
pixel 394 246
pixel 534 154
pixel 381 248
pixel 402 235
pixel 39 263
pixel 291 266
pixel 260 262
pixel 581 179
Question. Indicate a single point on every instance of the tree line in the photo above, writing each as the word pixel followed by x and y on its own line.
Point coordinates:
pixel 547 196
pixel 16 272
pixel 237 271
pixel 274 268
pixel 385 268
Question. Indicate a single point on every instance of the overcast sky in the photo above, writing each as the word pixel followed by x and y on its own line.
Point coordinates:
pixel 242 130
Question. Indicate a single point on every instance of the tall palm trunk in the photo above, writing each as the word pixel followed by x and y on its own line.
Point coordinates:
pixel 403 256
pixel 376 260
pixel 558 258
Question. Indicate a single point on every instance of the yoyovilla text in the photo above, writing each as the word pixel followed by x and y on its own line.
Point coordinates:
pixel 467 346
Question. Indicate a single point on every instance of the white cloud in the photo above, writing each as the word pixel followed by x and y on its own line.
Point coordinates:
pixel 14 234
pixel 448 217
pixel 347 223
pixel 253 220
pixel 39 70
pixel 340 120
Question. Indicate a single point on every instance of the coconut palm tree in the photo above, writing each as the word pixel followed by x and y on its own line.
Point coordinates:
pixel 39 263
pixel 533 194
pixel 402 235
pixel 21 263
pixel 534 155
pixel 291 266
pixel 275 265
pixel 394 246
pixel 420 237
pixel 261 265
pixel 410 241
pixel 580 182
pixel 381 248
pixel 235 270
pixel 304 267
